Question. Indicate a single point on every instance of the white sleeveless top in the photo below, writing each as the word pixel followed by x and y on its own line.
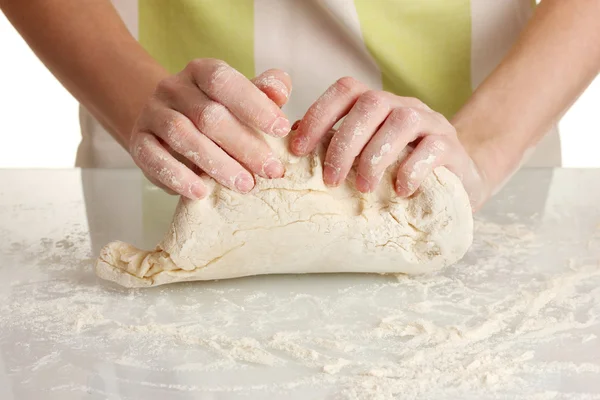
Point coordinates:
pixel 436 50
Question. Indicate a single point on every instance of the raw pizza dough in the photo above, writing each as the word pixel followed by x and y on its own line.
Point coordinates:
pixel 298 225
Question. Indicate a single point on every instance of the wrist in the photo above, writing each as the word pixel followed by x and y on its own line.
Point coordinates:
pixel 132 98
pixel 496 155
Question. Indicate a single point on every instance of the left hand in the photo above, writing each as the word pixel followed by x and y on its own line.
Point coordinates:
pixel 377 127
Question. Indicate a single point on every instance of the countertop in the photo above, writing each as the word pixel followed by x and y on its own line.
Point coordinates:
pixel 518 317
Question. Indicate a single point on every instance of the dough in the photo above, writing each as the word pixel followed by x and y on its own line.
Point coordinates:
pixel 298 225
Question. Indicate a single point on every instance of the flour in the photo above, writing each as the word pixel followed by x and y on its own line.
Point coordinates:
pixel 487 325
pixel 272 82
pixel 45 361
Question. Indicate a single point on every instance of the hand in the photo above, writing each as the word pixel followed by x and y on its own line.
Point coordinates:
pixel 204 118
pixel 377 128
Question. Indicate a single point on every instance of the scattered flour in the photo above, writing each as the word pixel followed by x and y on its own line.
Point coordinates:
pixel 487 325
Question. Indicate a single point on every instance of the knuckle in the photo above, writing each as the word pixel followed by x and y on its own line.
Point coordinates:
pixel 210 74
pixel 414 102
pixel 218 77
pixel 263 117
pixel 174 128
pixel 313 117
pixel 167 87
pixel 208 116
pixel 442 121
pixel 197 64
pixel 346 85
pixel 271 79
pixel 215 63
pixel 435 144
pixel 438 116
pixel 369 100
pixel 405 115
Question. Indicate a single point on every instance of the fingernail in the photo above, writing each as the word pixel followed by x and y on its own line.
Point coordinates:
pixel 295 125
pixel 362 184
pixel 300 144
pixel 244 182
pixel 197 190
pixel 403 189
pixel 280 127
pixel 273 168
pixel 330 175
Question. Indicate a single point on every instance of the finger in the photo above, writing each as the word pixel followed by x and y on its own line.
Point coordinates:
pixel 325 113
pixel 193 167
pixel 402 126
pixel 183 137
pixel 431 152
pixel 218 124
pixel 162 167
pixel 226 86
pixel 368 113
pixel 160 185
pixel 179 158
pixel 276 84
pixel 435 151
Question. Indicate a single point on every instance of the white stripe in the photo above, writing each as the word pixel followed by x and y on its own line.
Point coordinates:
pixel 98 148
pixel 346 16
pixel 316 42
pixel 495 27
pixel 128 10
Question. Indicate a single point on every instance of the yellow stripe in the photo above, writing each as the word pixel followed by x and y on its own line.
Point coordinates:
pixel 176 32
pixel 423 48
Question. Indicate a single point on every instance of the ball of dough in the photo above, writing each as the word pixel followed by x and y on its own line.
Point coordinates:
pixel 298 225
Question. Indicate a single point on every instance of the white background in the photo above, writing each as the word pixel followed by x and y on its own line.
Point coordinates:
pixel 39 119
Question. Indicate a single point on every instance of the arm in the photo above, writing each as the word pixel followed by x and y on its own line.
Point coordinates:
pixel 203 118
pixel 88 48
pixel 554 60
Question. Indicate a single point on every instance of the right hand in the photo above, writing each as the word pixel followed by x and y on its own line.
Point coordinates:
pixel 204 118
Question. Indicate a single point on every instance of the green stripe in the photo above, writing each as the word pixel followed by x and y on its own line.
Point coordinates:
pixel 423 48
pixel 176 32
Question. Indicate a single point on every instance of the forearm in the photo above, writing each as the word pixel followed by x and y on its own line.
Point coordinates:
pixel 88 48
pixel 555 59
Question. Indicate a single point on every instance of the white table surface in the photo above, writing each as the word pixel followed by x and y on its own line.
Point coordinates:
pixel 519 317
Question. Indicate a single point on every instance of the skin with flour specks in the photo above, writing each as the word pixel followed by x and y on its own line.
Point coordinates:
pixel 299 225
